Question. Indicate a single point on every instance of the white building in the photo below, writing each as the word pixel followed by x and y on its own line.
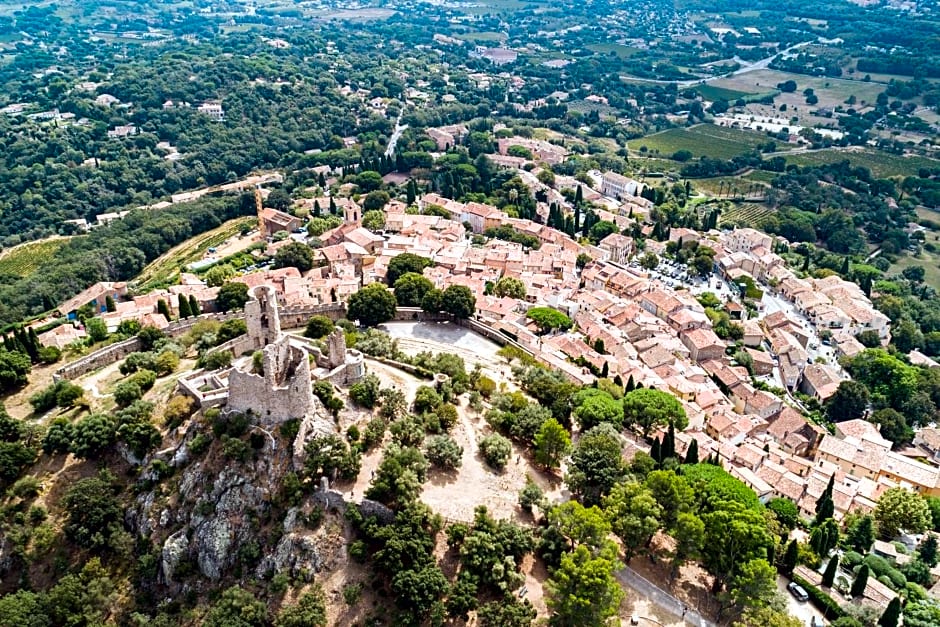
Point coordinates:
pixel 618 186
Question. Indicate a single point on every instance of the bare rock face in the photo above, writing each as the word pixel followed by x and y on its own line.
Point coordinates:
pixel 174 550
pixel 317 422
pixel 211 506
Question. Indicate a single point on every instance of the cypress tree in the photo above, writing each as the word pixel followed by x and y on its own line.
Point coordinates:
pixel 845 267
pixel 830 575
pixel 618 381
pixel 892 614
pixel 861 582
pixel 34 344
pixel 194 306
pixel 109 303
pixel 691 455
pixel 164 309
pixel 656 452
pixel 605 371
pixel 332 205
pixel 317 212
pixel 184 307
pixel 790 558
pixel 669 443
pixel 817 541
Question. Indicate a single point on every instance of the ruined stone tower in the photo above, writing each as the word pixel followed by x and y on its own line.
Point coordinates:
pixel 261 317
pixel 336 343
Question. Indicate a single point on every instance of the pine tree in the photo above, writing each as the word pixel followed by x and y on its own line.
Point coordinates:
pixel 194 306
pixel 892 614
pixel 829 576
pixel 861 582
pixel 691 455
pixel 790 558
pixel 184 307
pixel 164 309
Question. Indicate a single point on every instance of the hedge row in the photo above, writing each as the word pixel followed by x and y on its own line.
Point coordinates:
pixel 825 603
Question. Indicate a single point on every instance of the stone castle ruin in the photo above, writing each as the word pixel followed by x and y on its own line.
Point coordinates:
pixel 277 386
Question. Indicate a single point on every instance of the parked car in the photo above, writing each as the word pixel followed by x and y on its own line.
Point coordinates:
pixel 798 592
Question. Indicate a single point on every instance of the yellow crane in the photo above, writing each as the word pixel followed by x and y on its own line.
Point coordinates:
pixel 260 208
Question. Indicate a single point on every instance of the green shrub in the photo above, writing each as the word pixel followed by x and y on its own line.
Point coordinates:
pixel 143 378
pixel 235 449
pixel 496 450
pixel 823 602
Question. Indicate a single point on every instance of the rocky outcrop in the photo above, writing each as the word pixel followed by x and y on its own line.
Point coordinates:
pixel 212 507
pixel 297 553
pixel 174 550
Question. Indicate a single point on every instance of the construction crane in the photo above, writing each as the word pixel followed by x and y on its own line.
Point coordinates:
pixel 259 206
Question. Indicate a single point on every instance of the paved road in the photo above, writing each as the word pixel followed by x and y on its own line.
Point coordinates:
pixel 660 597
pixel 396 134
pixel 803 611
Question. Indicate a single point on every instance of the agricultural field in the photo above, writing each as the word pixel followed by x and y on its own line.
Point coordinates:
pixel 21 261
pixel 741 184
pixel 644 166
pixel 702 140
pixel 164 269
pixel 929 261
pixel 831 91
pixel 881 164
pixel 746 213
pixel 713 92
pixel 483 37
pixel 624 52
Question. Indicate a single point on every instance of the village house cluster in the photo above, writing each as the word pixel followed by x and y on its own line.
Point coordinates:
pixel 628 324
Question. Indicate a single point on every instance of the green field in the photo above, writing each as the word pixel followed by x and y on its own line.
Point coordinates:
pixel 707 140
pixel 22 260
pixel 624 52
pixel 930 262
pixel 482 36
pixel 881 164
pixel 711 92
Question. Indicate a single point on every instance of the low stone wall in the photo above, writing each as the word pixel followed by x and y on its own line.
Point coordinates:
pixel 291 318
pixel 416 314
pixel 296 317
pixel 98 359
